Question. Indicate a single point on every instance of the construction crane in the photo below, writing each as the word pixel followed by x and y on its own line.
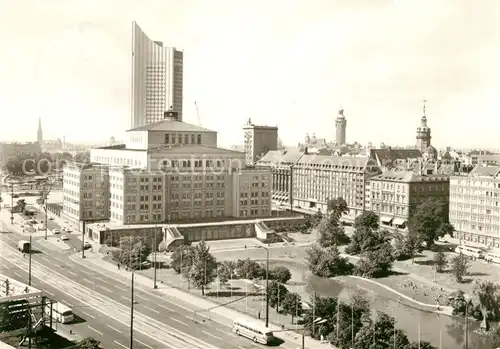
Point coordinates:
pixel 197 113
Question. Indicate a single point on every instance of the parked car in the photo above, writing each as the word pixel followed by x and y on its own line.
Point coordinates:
pixel 56 231
pixel 87 245
pixel 65 238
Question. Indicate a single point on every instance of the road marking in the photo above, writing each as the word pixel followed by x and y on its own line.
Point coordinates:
pixel 121 345
pixel 211 335
pixel 121 288
pixel 71 273
pixel 93 329
pixel 91 316
pixel 106 289
pixel 50 294
pixel 113 328
pixel 18 274
pixel 218 329
pixel 84 272
pixel 102 280
pixel 125 298
pixel 45 259
pixel 157 312
pixel 179 321
pixel 165 307
pixel 141 298
pixel 138 341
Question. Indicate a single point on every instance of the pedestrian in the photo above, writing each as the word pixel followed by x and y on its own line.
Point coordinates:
pixel 258 314
pixel 118 266
pixel 24 255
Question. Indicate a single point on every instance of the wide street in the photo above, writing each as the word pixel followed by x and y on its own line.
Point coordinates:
pixel 103 301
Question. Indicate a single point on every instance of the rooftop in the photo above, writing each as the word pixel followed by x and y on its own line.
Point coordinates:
pixel 356 163
pixel 276 157
pixel 410 177
pixel 392 154
pixel 490 171
pixel 171 125
pixel 178 149
pixel 11 287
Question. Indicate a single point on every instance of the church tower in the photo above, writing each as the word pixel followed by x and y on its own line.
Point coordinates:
pixel 340 126
pixel 39 135
pixel 423 133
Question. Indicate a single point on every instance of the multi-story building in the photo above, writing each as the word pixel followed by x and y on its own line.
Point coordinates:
pixel 281 163
pixel 157 79
pixel 475 205
pixel 340 128
pixel 173 171
pixel 318 178
pixel 258 141
pixel 395 195
pixel 85 193
pixel 390 158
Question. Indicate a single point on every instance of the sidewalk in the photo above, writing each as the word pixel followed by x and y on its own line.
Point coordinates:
pixel 203 307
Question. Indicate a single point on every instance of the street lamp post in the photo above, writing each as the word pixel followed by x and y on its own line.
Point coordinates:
pixel 83 238
pixel 267 283
pixel 154 263
pixel 29 264
pixel 11 203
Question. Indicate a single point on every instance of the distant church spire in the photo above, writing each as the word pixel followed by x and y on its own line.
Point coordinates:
pixel 39 136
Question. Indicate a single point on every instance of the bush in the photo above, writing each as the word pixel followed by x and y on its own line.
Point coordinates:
pixel 280 274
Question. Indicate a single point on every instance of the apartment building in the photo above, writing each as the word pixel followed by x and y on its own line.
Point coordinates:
pixel 85 193
pixel 474 205
pixel 280 162
pixel 173 171
pixel 258 140
pixel 318 178
pixel 395 195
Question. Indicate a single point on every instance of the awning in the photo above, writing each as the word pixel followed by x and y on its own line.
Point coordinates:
pixel 386 219
pixel 399 221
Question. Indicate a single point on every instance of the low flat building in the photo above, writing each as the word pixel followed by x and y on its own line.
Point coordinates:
pixel 395 195
pixel 318 178
pixel 475 205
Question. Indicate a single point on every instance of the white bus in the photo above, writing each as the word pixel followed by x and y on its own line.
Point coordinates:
pixel 473 252
pixel 493 256
pixel 60 313
pixel 257 333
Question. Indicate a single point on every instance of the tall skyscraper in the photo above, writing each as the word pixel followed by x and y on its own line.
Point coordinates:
pixel 340 127
pixel 157 79
pixel 39 134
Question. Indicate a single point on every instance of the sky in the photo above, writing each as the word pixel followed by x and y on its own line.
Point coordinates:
pixel 291 63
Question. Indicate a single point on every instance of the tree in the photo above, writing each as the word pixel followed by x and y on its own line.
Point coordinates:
pixel 459 265
pixel 336 208
pixel 280 274
pixel 430 221
pixel 89 343
pixel 223 273
pixel 277 293
pixel 440 261
pixel 367 236
pixel 378 262
pixel 182 259
pixel 327 262
pixel 292 304
pixel 249 269
pixel 318 216
pixel 459 304
pixel 133 251
pixel 368 219
pixel 330 230
pixel 320 307
pixel 488 296
pixel 83 157
pixel 203 270
pixel 495 340
pixel 421 345
pixel 412 244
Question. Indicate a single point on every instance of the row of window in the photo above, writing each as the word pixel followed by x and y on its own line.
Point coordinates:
pixel 172 138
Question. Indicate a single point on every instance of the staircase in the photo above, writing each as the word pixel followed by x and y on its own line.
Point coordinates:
pixel 172 238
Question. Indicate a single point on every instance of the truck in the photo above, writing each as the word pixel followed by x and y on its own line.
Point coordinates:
pixel 24 246
pixel 40 226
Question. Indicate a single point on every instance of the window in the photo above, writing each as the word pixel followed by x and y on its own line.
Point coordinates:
pixel 198 139
pixel 173 139
pixel 180 139
pixel 192 139
pixel 186 139
pixel 167 138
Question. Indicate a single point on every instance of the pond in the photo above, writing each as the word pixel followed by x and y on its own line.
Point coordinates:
pixel 448 331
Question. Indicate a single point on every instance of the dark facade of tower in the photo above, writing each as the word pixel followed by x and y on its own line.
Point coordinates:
pixel 423 134
pixel 39 135
pixel 340 128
